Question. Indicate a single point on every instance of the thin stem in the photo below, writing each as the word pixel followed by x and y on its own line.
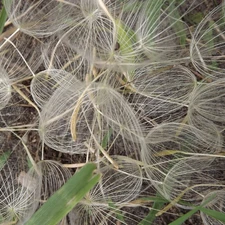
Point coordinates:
pixel 8 39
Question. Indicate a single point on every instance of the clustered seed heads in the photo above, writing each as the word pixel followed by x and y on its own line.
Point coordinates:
pixel 125 84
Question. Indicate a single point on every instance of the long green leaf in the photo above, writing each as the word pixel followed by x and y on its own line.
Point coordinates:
pixel 117 212
pixel 214 214
pixel 3 17
pixel 178 26
pixel 183 218
pixel 125 38
pixel 153 15
pixel 3 158
pixel 158 204
pixel 106 139
pixel 64 200
pixel 195 18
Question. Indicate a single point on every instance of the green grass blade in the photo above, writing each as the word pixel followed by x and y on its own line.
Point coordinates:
pixel 64 200
pixel 125 38
pixel 3 158
pixel 195 18
pixel 158 204
pixel 209 42
pixel 116 211
pixel 214 214
pixel 29 163
pixel 153 13
pixel 183 218
pixel 3 17
pixel 106 139
pixel 178 26
pixel 186 216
